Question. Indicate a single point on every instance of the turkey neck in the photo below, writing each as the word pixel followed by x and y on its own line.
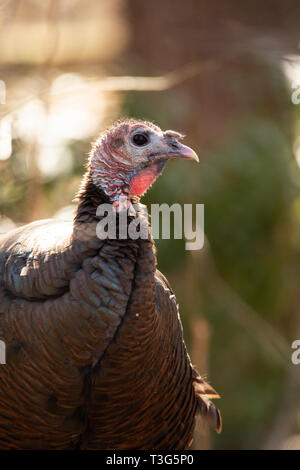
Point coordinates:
pixel 89 197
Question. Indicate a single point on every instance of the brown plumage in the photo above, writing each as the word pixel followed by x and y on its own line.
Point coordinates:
pixel 94 346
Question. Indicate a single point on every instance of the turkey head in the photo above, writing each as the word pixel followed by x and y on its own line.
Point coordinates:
pixel 130 156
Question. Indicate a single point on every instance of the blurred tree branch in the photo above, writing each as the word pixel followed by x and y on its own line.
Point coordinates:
pixel 122 83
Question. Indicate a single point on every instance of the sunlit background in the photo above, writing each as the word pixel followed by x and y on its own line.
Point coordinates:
pixel 227 75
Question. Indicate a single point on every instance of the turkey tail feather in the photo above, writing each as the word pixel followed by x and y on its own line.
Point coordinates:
pixel 204 392
pixel 209 411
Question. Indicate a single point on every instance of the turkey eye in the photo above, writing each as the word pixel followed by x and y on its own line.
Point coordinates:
pixel 140 139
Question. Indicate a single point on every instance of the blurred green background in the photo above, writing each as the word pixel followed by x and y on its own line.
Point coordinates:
pixel 223 74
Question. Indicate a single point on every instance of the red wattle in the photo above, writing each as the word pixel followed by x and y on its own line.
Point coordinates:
pixel 141 182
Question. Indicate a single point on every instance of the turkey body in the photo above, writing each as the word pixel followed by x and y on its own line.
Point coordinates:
pixel 95 356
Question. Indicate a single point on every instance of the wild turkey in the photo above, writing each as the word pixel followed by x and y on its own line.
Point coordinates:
pixel 95 357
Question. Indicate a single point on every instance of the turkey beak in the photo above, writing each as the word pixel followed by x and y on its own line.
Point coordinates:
pixel 178 150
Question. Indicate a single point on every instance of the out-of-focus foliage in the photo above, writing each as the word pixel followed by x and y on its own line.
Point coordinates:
pixel 248 195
